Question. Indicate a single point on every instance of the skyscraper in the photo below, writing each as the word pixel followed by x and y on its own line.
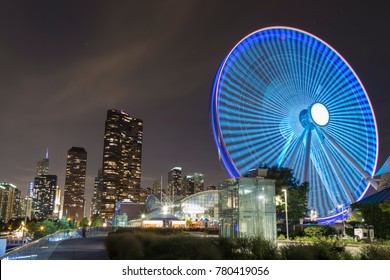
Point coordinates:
pixel 97 194
pixel 44 191
pixel 121 160
pixel 8 195
pixel 198 182
pixel 175 183
pixel 188 185
pixel 43 165
pixel 44 195
pixel 76 166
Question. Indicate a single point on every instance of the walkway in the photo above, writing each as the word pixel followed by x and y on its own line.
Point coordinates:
pixel 90 248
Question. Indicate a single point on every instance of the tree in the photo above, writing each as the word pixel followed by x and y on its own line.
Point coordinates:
pixel 44 228
pixel 96 221
pixel 296 193
pixel 376 214
pixel 62 224
pixel 84 222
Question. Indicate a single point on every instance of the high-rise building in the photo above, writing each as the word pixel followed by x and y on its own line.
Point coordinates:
pixel 188 185
pixel 76 166
pixel 44 195
pixel 121 161
pixel 156 187
pixel 17 205
pixel 144 193
pixel 97 194
pixel 198 182
pixel 175 183
pixel 43 191
pixel 43 165
pixel 58 204
pixel 8 193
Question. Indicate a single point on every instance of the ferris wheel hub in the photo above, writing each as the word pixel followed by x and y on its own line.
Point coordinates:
pixel 319 114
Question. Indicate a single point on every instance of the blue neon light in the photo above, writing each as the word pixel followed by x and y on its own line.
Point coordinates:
pixel 262 87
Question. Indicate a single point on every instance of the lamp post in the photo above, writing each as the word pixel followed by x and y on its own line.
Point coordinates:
pixel 285 205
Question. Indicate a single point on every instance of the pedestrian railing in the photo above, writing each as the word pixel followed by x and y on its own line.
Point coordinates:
pixel 42 248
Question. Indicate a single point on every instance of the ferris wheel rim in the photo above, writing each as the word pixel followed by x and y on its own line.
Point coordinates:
pixel 223 151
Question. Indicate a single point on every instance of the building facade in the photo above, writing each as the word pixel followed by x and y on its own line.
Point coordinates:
pixel 44 195
pixel 175 183
pixel 43 165
pixel 97 194
pixel 8 201
pixel 74 200
pixel 122 156
pixel 198 182
pixel 188 185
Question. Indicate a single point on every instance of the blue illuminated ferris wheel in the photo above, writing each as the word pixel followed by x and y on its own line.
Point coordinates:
pixel 285 97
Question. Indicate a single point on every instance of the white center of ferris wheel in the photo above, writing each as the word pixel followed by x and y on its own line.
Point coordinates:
pixel 319 114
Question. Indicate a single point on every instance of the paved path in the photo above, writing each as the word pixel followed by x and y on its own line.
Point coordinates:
pixel 90 248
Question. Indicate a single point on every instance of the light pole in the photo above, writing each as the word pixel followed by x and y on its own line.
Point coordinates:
pixel 285 205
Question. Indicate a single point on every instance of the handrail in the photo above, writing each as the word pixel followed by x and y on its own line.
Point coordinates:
pixel 42 248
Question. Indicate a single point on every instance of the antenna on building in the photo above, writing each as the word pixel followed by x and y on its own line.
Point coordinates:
pixel 47 153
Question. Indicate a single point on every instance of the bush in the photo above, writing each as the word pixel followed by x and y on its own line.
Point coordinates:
pixel 321 250
pixel 375 252
pixel 150 245
pixel 319 231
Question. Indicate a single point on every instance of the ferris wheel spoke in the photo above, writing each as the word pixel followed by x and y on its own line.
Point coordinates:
pixel 365 175
pixel 294 150
pixel 336 170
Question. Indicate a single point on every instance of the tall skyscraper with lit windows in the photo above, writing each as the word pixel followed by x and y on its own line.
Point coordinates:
pixel 76 166
pixel 43 191
pixel 43 165
pixel 122 153
pixel 175 183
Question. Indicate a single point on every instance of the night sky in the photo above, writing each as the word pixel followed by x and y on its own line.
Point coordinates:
pixel 64 63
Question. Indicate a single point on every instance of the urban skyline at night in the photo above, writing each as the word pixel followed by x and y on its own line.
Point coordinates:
pixel 64 66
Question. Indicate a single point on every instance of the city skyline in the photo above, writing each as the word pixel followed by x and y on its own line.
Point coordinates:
pixel 66 65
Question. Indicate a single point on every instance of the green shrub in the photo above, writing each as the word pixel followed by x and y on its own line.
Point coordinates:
pixel 320 250
pixel 319 231
pixel 375 252
pixel 149 245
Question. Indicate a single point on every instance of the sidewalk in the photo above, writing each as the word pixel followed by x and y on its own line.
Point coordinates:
pixel 90 248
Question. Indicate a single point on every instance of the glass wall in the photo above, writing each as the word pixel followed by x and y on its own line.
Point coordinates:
pixel 247 208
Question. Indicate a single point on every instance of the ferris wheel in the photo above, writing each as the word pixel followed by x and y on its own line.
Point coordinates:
pixel 284 97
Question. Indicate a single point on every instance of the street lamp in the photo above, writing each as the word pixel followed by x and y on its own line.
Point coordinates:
pixel 285 205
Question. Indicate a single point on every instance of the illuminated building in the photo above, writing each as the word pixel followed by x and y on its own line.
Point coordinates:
pixel 175 183
pixel 121 161
pixel 8 192
pixel 200 209
pixel 247 208
pixel 43 165
pixel 156 187
pixel 198 182
pixel 17 210
pixel 43 199
pixel 97 193
pixel 75 183
pixel 57 204
pixel 188 185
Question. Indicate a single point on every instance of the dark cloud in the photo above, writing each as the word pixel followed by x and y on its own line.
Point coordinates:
pixel 64 63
